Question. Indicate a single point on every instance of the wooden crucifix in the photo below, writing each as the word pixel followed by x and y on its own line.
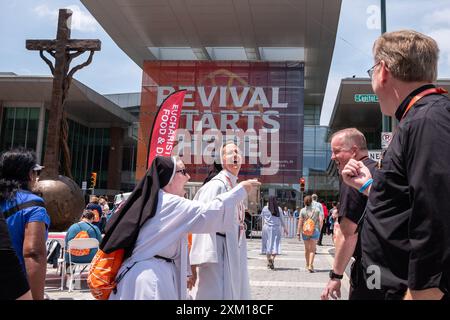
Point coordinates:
pixel 63 50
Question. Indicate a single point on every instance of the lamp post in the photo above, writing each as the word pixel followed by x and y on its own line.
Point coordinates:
pixel 387 122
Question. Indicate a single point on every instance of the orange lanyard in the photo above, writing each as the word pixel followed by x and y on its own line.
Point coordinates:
pixel 411 103
pixel 240 205
pixel 229 181
pixel 420 96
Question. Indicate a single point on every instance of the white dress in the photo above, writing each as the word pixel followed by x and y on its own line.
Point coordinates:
pixel 222 272
pixel 271 232
pixel 165 235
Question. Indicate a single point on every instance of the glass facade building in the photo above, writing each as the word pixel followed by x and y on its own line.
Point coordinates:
pixel 19 128
pixel 89 148
pixel 317 158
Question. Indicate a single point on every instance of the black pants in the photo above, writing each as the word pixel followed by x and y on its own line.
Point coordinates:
pixel 13 281
pixel 358 285
pixel 324 229
pixel 359 290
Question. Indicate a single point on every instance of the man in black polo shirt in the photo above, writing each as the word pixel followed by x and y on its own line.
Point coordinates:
pixel 345 145
pixel 405 237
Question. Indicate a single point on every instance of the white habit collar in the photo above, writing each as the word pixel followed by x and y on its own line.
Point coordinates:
pixel 231 176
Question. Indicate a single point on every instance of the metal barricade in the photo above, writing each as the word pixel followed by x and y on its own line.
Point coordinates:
pixel 291 225
pixel 289 221
pixel 255 227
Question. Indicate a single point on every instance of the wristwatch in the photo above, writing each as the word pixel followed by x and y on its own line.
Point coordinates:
pixel 335 276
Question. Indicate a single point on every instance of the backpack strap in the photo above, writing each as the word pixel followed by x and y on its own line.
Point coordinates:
pixel 33 203
pixel 92 227
pixel 89 225
pixel 217 179
pixel 308 212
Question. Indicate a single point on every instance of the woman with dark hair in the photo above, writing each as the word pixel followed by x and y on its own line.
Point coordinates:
pixel 25 215
pixel 271 231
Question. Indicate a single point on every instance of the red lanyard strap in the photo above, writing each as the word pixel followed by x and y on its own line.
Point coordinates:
pixel 229 181
pixel 420 96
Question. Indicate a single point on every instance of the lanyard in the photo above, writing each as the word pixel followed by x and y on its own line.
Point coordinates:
pixel 411 103
pixel 420 96
pixel 241 217
pixel 229 181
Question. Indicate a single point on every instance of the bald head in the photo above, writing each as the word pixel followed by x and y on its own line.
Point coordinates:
pixel 348 144
pixel 351 137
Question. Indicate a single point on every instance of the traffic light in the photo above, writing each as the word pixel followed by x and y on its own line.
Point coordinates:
pixel 93 179
pixel 302 184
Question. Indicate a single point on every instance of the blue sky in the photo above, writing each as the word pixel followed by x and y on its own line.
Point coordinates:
pixel 359 27
pixel 113 72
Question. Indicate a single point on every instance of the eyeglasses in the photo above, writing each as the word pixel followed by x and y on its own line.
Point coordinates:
pixel 38 172
pixel 371 70
pixel 182 171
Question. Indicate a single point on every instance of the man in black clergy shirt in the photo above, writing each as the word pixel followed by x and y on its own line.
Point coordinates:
pixel 405 235
pixel 349 144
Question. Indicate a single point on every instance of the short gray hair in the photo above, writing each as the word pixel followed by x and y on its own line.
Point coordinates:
pixel 314 197
pixel 352 136
pixel 409 55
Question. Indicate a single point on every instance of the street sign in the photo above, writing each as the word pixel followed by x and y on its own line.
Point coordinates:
pixel 84 185
pixel 375 155
pixel 386 138
pixel 366 98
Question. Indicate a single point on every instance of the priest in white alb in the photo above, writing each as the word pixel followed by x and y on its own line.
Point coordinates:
pixel 219 259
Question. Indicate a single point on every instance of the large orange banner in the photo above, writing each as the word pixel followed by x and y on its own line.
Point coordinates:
pixel 257 104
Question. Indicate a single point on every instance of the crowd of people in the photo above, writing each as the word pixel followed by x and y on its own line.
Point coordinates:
pixel 392 216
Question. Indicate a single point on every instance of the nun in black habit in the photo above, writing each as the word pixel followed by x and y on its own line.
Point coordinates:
pixel 152 227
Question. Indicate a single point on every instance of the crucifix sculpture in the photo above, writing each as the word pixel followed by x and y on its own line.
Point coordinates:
pixel 63 197
pixel 63 50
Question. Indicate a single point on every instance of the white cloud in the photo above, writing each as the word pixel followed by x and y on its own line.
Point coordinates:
pixel 442 37
pixel 81 20
pixel 437 25
pixel 438 18
pixel 44 11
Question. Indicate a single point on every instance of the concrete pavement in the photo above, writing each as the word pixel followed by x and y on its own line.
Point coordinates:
pixel 288 281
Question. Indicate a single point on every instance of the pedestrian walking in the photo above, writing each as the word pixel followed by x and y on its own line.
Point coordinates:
pixel 271 232
pixel 309 228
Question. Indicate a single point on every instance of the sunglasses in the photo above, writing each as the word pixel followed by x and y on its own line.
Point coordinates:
pixel 182 171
